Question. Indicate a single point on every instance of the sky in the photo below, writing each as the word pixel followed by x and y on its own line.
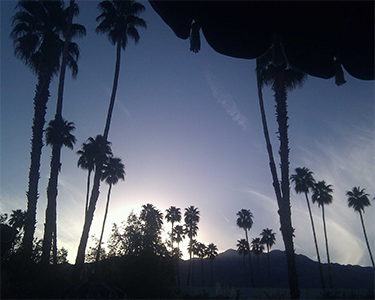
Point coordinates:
pixel 188 129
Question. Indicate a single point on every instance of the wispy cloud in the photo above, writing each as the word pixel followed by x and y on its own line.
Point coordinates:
pixel 226 100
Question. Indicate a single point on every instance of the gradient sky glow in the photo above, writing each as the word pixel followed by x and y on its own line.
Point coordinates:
pixel 188 129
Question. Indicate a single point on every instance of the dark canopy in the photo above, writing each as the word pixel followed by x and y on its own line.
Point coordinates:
pixel 314 34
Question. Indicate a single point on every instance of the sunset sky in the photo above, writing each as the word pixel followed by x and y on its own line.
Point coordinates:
pixel 188 129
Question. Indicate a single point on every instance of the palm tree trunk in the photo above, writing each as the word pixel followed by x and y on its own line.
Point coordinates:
pixel 284 206
pixel 202 272
pixel 251 265
pixel 54 245
pixel 367 243
pixel 258 270
pixel 269 267
pixel 328 259
pixel 316 243
pixel 87 191
pixel 244 269
pixel 40 106
pixel 211 263
pixel 104 220
pixel 95 190
pixel 188 277
pixel 49 225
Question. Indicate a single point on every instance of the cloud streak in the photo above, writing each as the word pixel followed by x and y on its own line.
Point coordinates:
pixel 227 102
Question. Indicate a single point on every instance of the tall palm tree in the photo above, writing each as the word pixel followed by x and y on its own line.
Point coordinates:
pixel 257 248
pixel 245 221
pixel 243 249
pixel 211 253
pixel 201 253
pixel 191 228
pixel 119 20
pixel 269 239
pixel 358 199
pixel 304 182
pixel 36 34
pixel 113 171
pixel 173 215
pixel 277 73
pixel 58 134
pixel 88 156
pixel 178 236
pixel 322 196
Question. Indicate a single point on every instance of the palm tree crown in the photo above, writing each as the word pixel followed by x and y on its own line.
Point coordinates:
pixel 268 238
pixel 113 170
pixel 303 180
pixel 322 193
pixel 358 199
pixel 58 133
pixel 119 20
pixel 245 219
pixel 173 214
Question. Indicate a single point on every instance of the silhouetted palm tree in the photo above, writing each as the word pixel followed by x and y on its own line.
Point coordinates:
pixel 88 156
pixel 58 134
pixel 304 182
pixel 178 235
pixel 211 253
pixel 201 251
pixel 173 215
pixel 257 248
pixel 17 219
pixel 276 72
pixel 243 249
pixel 113 171
pixel 191 228
pixel 118 19
pixel 153 222
pixel 269 239
pixel 322 195
pixel 358 199
pixel 36 34
pixel 245 221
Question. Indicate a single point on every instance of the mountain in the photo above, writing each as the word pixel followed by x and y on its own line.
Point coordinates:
pixel 228 269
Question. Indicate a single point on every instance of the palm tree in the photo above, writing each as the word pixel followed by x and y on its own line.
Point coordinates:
pixel 201 252
pixel 269 239
pixel 358 199
pixel 304 182
pixel 281 78
pixel 178 236
pixel 58 134
pixel 245 221
pixel 113 170
pixel 191 229
pixel 153 222
pixel 243 249
pixel 257 248
pixel 173 215
pixel 36 34
pixel 211 253
pixel 17 219
pixel 322 195
pixel 119 20
pixel 88 156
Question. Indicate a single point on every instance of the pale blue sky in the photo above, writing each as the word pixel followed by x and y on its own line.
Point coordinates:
pixel 188 129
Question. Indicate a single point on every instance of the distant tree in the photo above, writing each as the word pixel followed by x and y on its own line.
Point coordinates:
pixel 211 253
pixel 88 157
pixel 179 236
pixel 358 199
pixel 304 182
pixel 245 221
pixel 191 228
pixel 92 253
pixel 17 220
pixel 58 134
pixel 37 28
pixel 257 248
pixel 193 248
pixel 119 20
pixel 268 239
pixel 173 215
pixel 113 171
pixel 243 249
pixel 322 196
pixel 151 228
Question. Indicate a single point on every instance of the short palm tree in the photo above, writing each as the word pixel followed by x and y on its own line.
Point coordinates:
pixel 201 253
pixel 119 20
pixel 113 171
pixel 322 195
pixel 173 215
pixel 257 248
pixel 245 221
pixel 243 249
pixel 269 239
pixel 358 199
pixel 178 236
pixel 304 182
pixel 88 156
pixel 191 228
pixel 281 78
pixel 58 134
pixel 37 29
pixel 211 253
